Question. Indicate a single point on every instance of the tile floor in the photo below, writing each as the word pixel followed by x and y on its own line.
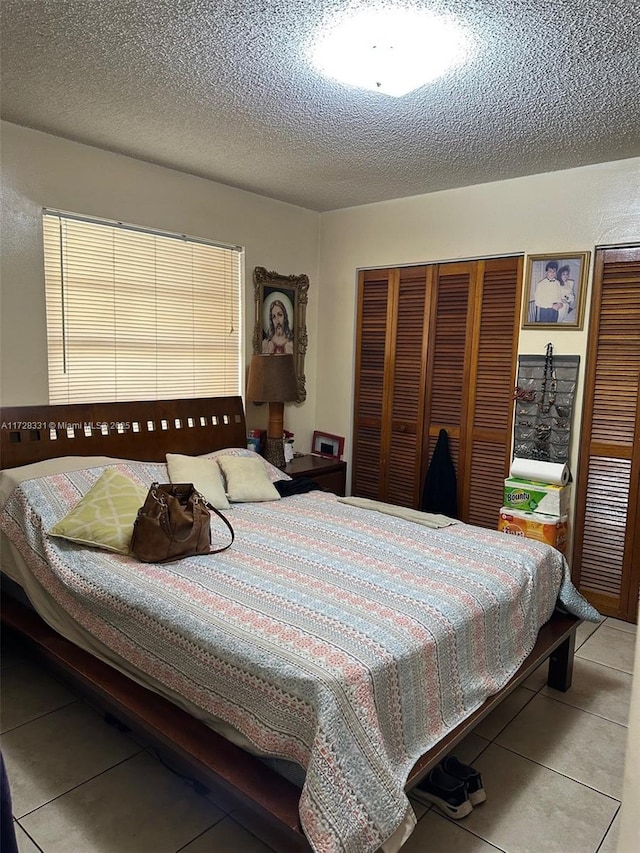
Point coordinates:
pixel 552 765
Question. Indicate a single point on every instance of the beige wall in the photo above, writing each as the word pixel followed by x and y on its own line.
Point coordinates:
pixel 39 170
pixel 570 211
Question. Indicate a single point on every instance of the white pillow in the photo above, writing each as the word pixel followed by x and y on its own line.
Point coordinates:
pixel 203 473
pixel 274 474
pixel 247 479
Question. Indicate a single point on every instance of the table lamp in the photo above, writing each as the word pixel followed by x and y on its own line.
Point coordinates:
pixel 272 379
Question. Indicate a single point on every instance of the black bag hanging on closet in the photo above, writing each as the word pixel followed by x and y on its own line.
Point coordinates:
pixel 440 492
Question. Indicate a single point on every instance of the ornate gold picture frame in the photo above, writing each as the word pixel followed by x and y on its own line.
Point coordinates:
pixel 281 304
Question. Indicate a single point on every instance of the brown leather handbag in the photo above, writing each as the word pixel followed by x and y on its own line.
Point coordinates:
pixel 173 523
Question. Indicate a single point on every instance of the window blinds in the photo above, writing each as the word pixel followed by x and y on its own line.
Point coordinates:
pixel 138 315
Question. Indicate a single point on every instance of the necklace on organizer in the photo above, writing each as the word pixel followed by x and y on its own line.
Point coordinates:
pixel 549 383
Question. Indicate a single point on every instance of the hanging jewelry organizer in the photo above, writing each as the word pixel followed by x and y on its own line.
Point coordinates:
pixel 544 406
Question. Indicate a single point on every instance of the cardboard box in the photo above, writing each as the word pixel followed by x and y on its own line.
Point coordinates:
pixel 536 497
pixel 551 529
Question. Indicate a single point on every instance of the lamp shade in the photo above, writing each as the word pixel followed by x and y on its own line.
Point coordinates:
pixel 272 379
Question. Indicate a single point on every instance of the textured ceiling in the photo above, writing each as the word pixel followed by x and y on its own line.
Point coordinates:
pixel 223 89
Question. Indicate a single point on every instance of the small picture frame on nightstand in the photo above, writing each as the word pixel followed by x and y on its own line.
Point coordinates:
pixel 327 445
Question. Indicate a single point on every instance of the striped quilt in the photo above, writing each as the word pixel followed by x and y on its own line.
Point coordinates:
pixel 342 639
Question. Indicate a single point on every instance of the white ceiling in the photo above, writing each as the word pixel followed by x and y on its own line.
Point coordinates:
pixel 223 89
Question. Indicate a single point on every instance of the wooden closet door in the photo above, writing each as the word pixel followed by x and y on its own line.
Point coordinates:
pixel 436 350
pixel 492 377
pixel 408 355
pixel 372 385
pixel 448 367
pixel 606 555
pixel 471 376
pixel 390 381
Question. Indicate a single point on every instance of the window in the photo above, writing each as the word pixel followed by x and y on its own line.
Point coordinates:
pixel 134 314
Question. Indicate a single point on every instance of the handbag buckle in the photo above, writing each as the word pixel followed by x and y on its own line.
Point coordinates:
pixel 159 498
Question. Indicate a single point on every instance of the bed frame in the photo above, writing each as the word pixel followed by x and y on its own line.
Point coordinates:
pixel 145 431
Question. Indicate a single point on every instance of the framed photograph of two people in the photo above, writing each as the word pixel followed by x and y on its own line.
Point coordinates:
pixel 555 289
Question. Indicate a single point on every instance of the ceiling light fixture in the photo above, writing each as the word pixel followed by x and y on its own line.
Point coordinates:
pixel 390 50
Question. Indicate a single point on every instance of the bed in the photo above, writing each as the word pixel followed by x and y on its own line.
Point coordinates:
pixel 363 673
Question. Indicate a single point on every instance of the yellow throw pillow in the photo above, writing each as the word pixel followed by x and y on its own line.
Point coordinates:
pixel 203 473
pixel 104 517
pixel 247 479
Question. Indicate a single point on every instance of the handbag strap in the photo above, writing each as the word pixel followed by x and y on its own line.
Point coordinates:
pixel 227 522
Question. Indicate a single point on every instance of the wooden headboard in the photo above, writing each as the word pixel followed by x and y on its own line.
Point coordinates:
pixel 143 430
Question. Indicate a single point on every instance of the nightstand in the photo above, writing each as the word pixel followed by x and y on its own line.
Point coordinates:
pixel 331 474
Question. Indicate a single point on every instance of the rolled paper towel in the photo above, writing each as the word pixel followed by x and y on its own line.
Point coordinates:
pixel 555 473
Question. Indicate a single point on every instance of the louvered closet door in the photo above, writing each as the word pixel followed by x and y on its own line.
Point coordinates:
pixel 448 365
pixel 375 323
pixel 493 345
pixel 606 557
pixel 408 370
pixel 436 350
pixel 471 375
pixel 390 379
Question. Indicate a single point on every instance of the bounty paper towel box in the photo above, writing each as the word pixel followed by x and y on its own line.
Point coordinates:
pixel 536 497
pixel 551 529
